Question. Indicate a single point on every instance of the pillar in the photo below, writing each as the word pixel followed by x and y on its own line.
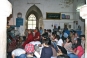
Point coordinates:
pixel 83 14
pixel 5 11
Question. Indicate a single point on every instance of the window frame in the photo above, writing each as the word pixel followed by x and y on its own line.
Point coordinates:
pixel 33 18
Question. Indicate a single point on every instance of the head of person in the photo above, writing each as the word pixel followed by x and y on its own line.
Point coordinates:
pixel 58 37
pixel 46 42
pixel 53 35
pixel 58 27
pixel 44 35
pixel 76 34
pixel 78 42
pixel 44 30
pixel 54 26
pixel 49 30
pixel 36 30
pixel 83 37
pixel 36 27
pixel 71 33
pixel 62 50
pixel 29 48
pixel 29 31
pixel 68 39
pixel 40 28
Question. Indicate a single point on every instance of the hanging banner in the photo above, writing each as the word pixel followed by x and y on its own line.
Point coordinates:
pixel 19 22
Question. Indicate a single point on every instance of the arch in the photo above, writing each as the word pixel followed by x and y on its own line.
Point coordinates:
pixel 37 12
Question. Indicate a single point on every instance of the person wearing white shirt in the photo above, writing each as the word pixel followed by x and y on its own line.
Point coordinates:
pixel 59 40
pixel 19 52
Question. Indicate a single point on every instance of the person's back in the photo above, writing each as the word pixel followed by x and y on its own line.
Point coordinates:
pixel 18 53
pixel 46 50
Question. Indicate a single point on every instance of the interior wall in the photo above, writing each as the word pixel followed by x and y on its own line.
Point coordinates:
pixel 56 6
pixel 77 17
pixel 57 23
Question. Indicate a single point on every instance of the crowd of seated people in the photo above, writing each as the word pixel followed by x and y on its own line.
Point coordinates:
pixel 50 44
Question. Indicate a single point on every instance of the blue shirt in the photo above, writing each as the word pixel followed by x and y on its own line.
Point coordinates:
pixel 46 52
pixel 65 35
pixel 41 31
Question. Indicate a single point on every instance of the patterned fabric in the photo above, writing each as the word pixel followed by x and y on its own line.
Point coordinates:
pixel 29 48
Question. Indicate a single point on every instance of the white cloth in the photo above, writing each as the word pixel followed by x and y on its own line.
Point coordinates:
pixel 60 42
pixel 83 56
pixel 37 54
pixel 18 52
pixel 35 42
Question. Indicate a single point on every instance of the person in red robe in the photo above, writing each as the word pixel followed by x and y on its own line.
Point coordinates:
pixel 29 38
pixel 37 35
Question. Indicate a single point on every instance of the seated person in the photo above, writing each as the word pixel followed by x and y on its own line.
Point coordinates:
pixel 29 38
pixel 19 53
pixel 46 50
pixel 78 50
pixel 68 45
pixel 61 51
pixel 83 41
pixel 44 36
pixel 37 35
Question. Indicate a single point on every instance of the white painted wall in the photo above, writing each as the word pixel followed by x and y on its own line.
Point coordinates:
pixel 78 3
pixel 48 24
pixel 54 6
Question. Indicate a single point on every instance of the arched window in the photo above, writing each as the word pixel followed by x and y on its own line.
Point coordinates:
pixel 31 21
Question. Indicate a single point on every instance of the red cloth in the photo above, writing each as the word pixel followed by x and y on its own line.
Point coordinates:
pixel 81 51
pixel 36 36
pixel 29 39
pixel 29 48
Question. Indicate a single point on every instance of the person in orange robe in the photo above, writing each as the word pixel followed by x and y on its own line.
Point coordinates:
pixel 29 38
pixel 37 35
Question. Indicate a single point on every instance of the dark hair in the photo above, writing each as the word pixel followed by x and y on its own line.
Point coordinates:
pixel 58 37
pixel 45 35
pixel 63 56
pixel 64 51
pixel 49 30
pixel 69 39
pixel 78 42
pixel 82 36
pixel 44 29
pixel 47 41
pixel 58 27
pixel 54 34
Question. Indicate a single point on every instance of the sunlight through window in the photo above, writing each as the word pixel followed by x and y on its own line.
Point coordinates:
pixel 32 21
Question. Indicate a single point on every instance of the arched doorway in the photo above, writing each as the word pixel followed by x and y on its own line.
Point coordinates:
pixel 34 18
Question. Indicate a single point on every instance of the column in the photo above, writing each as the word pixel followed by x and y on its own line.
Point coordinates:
pixel 86 38
pixel 83 14
pixel 5 11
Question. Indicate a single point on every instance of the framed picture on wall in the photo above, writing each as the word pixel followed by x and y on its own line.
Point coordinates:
pixel 63 16
pixel 53 16
pixel 67 16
